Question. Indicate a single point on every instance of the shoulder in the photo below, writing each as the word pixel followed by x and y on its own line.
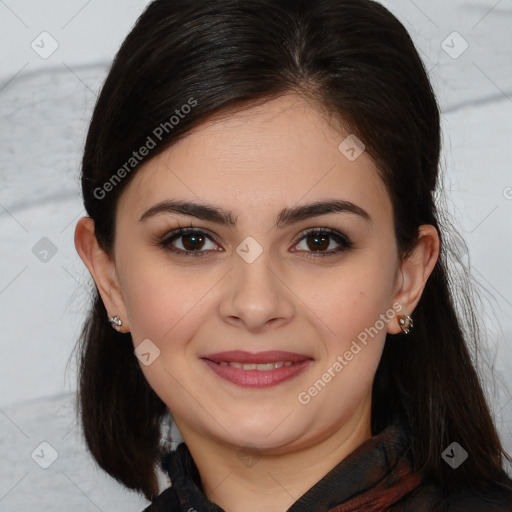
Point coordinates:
pixel 429 497
pixel 496 499
pixel 166 501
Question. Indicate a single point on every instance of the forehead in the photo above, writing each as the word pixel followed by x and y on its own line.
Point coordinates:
pixel 276 154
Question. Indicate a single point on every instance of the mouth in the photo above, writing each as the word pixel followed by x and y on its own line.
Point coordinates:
pixel 259 370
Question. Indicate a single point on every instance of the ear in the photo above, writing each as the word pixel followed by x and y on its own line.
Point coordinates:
pixel 414 271
pixel 102 269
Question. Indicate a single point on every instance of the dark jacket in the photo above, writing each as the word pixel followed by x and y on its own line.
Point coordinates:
pixel 376 477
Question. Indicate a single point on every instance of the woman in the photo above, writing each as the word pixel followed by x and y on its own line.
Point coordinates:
pixel 270 269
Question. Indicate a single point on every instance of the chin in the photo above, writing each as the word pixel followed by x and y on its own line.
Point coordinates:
pixel 273 435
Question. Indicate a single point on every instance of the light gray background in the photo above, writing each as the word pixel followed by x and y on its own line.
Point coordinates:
pixel 45 104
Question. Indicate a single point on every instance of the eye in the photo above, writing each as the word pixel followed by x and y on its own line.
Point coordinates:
pixel 191 240
pixel 320 240
pixel 194 242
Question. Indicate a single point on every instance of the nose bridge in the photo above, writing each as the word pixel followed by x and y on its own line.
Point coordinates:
pixel 255 293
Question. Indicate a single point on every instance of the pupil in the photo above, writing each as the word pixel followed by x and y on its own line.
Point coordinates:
pixel 191 242
pixel 319 242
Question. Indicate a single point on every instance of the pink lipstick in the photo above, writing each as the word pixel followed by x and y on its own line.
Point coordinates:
pixel 259 370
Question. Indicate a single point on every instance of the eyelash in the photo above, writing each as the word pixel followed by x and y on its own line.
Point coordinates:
pixel 339 238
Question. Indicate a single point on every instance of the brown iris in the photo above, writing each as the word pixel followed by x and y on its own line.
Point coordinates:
pixel 320 242
pixel 193 241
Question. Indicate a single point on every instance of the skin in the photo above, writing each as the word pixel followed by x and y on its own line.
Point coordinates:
pixel 260 449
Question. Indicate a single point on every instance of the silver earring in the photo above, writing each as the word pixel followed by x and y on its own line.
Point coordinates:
pixel 406 323
pixel 116 322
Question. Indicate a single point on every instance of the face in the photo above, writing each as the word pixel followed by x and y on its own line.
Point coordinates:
pixel 266 317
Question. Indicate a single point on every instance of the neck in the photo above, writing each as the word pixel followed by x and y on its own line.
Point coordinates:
pixel 250 481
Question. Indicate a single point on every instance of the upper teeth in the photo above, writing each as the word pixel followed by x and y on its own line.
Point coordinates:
pixel 252 366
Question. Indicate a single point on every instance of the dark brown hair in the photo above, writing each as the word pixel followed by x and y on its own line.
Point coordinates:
pixel 358 63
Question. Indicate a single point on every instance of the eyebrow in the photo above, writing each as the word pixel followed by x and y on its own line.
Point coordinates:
pixel 286 217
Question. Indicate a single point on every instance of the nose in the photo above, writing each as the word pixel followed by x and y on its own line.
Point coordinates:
pixel 256 296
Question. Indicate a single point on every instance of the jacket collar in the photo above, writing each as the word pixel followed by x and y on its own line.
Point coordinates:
pixel 375 475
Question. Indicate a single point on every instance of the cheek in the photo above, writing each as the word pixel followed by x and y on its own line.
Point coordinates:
pixel 350 307
pixel 351 298
pixel 160 300
pixel 354 336
pixel 166 307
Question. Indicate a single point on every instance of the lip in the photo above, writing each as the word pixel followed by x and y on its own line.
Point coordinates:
pixel 257 378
